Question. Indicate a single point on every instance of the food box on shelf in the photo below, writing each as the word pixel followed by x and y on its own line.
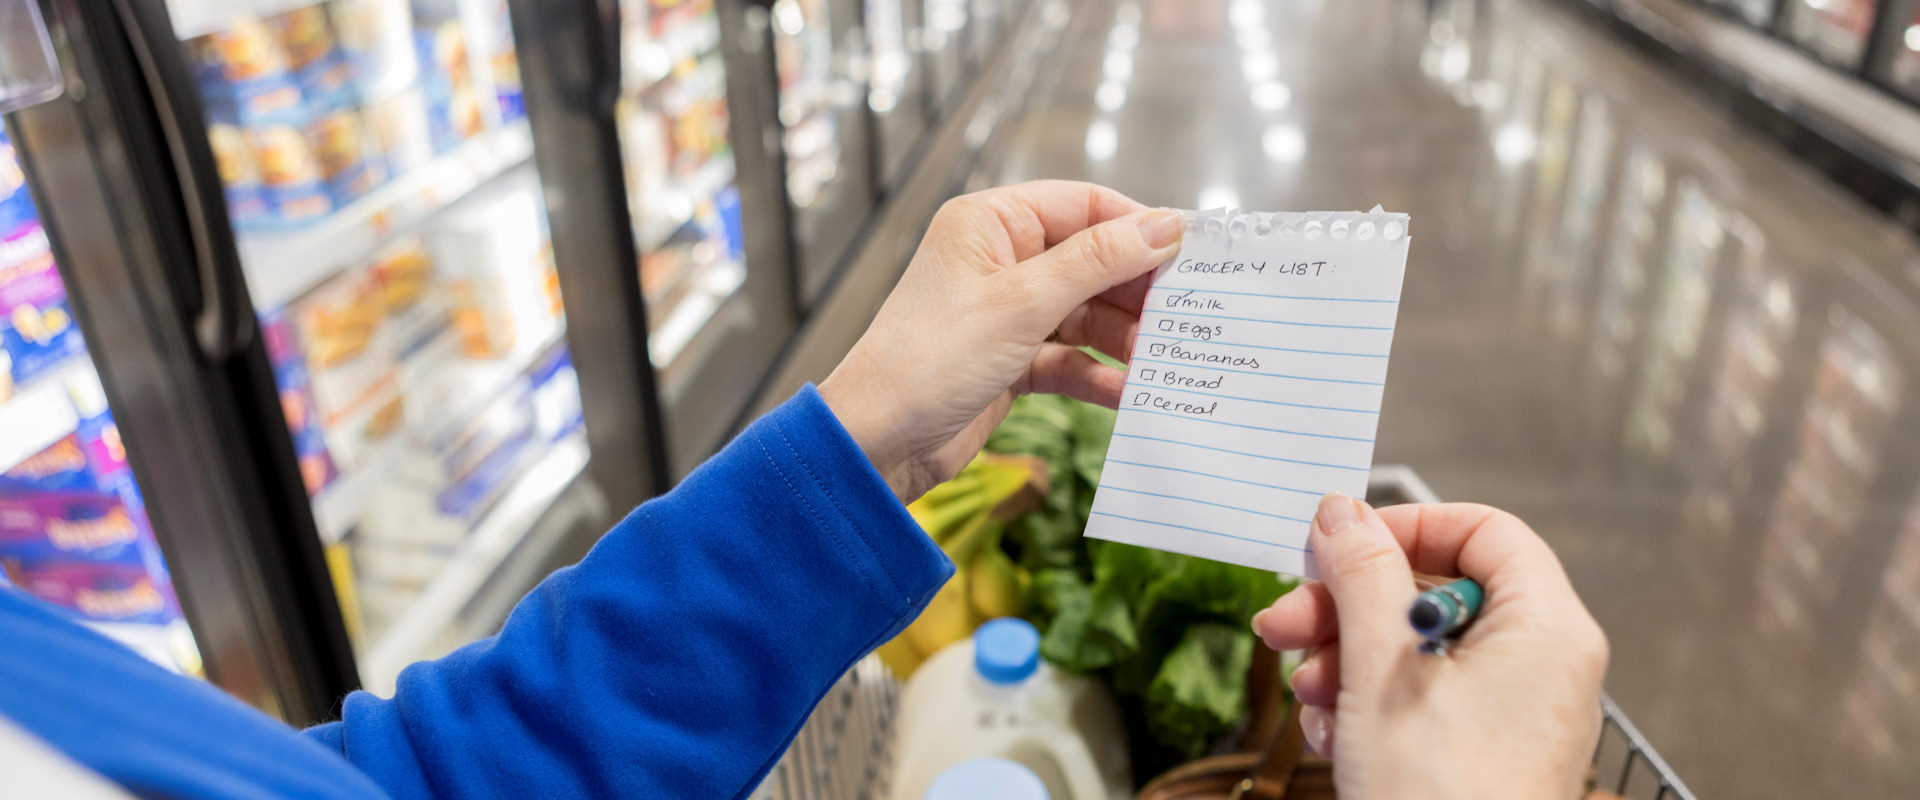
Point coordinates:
pixel 37 331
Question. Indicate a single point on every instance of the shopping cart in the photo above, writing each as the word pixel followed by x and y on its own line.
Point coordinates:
pixel 843 751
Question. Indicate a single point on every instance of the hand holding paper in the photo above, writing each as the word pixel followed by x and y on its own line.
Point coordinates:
pixel 1255 384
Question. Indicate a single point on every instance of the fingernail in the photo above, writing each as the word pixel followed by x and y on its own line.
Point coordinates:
pixel 1337 513
pixel 1160 228
pixel 1256 620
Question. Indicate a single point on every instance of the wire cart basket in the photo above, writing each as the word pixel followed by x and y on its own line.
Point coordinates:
pixel 844 752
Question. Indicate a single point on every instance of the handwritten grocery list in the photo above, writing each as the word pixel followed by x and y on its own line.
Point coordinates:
pixel 1255 384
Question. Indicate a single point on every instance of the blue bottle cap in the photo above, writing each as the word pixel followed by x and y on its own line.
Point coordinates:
pixel 1006 650
pixel 998 778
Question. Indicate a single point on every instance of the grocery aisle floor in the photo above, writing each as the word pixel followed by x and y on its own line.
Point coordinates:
pixel 1685 357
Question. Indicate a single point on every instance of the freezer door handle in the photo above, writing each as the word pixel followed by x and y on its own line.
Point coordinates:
pixel 222 323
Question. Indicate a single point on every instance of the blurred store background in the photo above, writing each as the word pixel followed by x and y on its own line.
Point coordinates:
pixel 330 328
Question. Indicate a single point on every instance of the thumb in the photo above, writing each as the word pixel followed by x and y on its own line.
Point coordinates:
pixel 1371 583
pixel 1094 260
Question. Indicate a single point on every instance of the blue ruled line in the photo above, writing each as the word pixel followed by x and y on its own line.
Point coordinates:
pixel 1307 492
pixel 1201 530
pixel 1158 387
pixel 1261 346
pixel 1143 410
pixel 1213 368
pixel 1280 296
pixel 1270 321
pixel 1203 502
pixel 1119 435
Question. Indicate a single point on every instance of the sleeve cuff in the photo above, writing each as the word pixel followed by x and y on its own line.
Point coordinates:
pixel 803 439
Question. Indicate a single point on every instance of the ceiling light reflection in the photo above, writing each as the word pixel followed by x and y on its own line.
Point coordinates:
pixel 1118 66
pixel 1514 143
pixel 1110 96
pixel 1253 37
pixel 1102 140
pixel 1218 196
pixel 1246 12
pixel 1259 66
pixel 1271 96
pixel 1123 37
pixel 1284 142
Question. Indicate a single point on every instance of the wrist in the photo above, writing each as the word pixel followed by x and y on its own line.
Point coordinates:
pixel 870 426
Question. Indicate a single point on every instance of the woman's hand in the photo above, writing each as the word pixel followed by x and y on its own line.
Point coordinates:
pixel 968 328
pixel 1510 711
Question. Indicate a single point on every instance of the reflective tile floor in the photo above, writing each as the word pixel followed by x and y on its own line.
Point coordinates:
pixel 1690 361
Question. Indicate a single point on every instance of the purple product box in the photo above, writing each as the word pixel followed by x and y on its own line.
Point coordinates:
pixel 100 592
pixel 297 403
pixel 16 202
pixel 36 327
pixel 39 528
pixel 87 461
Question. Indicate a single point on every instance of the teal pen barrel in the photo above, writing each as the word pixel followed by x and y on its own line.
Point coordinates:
pixel 1444 611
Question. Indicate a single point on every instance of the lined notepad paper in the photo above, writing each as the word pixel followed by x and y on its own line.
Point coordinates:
pixel 1255 384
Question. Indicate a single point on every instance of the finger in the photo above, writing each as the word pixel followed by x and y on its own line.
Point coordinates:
pixel 1300 619
pixel 1317 723
pixel 1038 214
pixel 1063 369
pixel 1102 326
pixel 1130 296
pixel 1480 542
pixel 1055 282
pixel 1316 681
pixel 1370 582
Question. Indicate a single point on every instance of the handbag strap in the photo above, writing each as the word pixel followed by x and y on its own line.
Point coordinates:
pixel 1271 777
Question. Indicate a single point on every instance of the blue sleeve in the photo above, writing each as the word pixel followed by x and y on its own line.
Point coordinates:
pixel 682 654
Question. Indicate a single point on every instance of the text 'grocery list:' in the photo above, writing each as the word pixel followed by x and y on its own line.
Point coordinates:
pixel 1255 384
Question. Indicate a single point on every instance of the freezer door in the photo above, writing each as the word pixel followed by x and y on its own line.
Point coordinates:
pixel 142 448
pixel 378 174
pixel 709 227
pixel 820 63
pixel 897 88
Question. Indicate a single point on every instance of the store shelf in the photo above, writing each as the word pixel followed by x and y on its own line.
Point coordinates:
pixel 498 534
pixel 673 209
pixel 342 503
pixel 651 59
pixel 39 413
pixel 714 284
pixel 282 266
pixel 193 18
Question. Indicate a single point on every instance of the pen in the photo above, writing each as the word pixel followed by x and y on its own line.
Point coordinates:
pixel 1440 614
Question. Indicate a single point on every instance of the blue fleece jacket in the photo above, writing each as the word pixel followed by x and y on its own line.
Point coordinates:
pixel 677 660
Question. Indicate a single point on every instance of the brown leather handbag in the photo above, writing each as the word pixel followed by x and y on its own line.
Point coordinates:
pixel 1275 764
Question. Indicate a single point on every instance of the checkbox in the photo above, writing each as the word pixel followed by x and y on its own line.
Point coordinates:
pixel 1166 324
pixel 1156 349
pixel 1146 375
pixel 1140 399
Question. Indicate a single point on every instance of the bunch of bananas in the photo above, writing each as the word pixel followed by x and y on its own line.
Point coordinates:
pixel 965 517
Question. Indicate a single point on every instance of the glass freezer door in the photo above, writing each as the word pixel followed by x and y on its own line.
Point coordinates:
pixel 706 219
pixel 377 167
pixel 74 530
pixel 824 134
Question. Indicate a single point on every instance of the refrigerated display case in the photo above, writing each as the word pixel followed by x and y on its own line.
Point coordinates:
pixel 708 226
pixel 74 530
pixel 897 84
pixel 1753 12
pixel 376 162
pixel 1835 30
pixel 1904 66
pixel 943 38
pixel 824 134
